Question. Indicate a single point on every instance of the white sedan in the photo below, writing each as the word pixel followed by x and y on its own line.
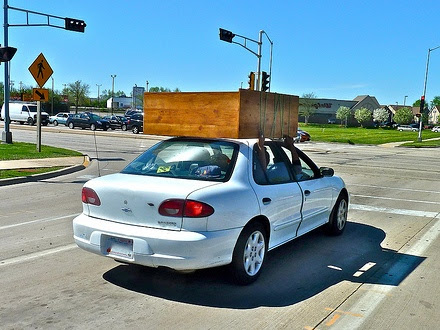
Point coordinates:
pixel 190 203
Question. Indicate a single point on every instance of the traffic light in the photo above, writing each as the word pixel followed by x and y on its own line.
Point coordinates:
pixel 73 24
pixel 7 53
pixel 251 81
pixel 422 103
pixel 226 35
pixel 265 81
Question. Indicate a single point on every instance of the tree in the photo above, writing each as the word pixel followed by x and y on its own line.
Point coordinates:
pixel 435 101
pixel 163 90
pixel 362 115
pixel 343 113
pixel 404 116
pixel 307 106
pixel 380 115
pixel 78 92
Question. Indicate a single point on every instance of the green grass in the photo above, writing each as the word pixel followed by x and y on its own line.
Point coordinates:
pixel 19 150
pixel 423 144
pixel 360 135
pixel 6 174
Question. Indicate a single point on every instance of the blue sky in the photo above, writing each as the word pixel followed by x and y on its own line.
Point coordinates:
pixel 335 49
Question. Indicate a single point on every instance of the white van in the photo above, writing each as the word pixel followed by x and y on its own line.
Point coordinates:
pixel 24 113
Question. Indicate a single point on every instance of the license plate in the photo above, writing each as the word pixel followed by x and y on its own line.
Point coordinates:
pixel 119 247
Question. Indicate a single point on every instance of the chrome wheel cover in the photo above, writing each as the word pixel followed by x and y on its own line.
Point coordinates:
pixel 341 217
pixel 254 251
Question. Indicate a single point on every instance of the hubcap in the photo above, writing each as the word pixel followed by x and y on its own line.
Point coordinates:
pixel 254 253
pixel 342 214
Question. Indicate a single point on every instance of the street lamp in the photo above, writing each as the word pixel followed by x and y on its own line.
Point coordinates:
pixel 404 100
pixel 113 89
pixel 424 93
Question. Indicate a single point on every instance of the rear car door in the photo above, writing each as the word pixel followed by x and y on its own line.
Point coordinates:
pixel 279 195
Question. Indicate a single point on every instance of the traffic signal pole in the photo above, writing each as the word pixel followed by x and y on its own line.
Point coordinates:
pixel 6 134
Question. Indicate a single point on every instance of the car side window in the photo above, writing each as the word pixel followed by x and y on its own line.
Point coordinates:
pixel 306 171
pixel 274 171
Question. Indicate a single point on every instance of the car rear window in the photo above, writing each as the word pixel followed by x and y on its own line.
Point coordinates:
pixel 210 160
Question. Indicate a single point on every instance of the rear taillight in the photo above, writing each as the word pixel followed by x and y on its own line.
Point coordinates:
pixel 89 196
pixel 185 208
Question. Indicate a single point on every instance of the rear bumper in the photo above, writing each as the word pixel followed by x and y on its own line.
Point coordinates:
pixel 180 250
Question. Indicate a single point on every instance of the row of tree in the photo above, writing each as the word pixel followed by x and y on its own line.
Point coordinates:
pixel 73 94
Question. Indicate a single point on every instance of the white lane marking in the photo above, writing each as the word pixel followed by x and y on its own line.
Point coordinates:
pixel 394 211
pixel 372 298
pixel 36 255
pixel 39 220
pixel 396 199
pixel 391 188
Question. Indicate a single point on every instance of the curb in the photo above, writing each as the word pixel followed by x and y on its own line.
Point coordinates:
pixel 48 175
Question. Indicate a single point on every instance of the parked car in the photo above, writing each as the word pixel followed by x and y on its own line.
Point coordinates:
pixel 302 136
pixel 114 121
pixel 131 112
pixel 407 128
pixel 436 129
pixel 135 123
pixel 194 203
pixel 59 118
pixel 24 113
pixel 88 120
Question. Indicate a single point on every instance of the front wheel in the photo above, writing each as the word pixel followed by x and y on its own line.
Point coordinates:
pixel 93 127
pixel 338 217
pixel 249 253
pixel 30 121
pixel 124 127
pixel 71 126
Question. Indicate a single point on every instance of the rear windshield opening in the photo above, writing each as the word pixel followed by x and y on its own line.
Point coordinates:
pixel 187 159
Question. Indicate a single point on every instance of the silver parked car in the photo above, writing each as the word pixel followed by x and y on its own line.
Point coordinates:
pixel 192 203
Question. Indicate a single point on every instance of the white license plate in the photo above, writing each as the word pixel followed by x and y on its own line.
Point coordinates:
pixel 119 247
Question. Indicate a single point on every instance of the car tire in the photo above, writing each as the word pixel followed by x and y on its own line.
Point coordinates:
pixel 30 121
pixel 71 126
pixel 93 127
pixel 124 127
pixel 338 217
pixel 249 253
pixel 55 123
pixel 105 128
pixel 135 130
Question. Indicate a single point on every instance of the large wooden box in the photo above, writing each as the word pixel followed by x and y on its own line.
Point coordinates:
pixel 241 114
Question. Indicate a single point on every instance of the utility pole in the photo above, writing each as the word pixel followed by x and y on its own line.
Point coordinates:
pixel 98 92
pixel 113 89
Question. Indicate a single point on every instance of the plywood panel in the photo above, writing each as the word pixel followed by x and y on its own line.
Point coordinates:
pixel 220 114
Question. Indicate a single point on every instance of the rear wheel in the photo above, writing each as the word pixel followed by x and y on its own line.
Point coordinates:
pixel 338 217
pixel 135 130
pixel 249 254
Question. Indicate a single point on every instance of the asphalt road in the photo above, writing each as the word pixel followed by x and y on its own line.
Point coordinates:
pixel 382 273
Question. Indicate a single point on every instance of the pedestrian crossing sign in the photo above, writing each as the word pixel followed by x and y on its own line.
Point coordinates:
pixel 40 70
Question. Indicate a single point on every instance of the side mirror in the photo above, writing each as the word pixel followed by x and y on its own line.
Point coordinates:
pixel 326 171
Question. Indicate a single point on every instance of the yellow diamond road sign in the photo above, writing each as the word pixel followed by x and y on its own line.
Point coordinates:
pixel 40 70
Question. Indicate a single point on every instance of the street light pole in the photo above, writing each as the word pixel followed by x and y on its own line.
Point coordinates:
pixel 98 93
pixel 404 100
pixel 52 95
pixel 113 89
pixel 424 92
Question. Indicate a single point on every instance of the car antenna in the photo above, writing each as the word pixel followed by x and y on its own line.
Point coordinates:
pixel 97 156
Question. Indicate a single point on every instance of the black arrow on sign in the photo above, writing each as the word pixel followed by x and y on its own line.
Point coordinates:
pixel 41 95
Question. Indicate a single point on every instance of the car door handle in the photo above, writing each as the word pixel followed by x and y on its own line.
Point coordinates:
pixel 306 192
pixel 266 200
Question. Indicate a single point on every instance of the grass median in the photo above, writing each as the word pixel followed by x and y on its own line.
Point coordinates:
pixel 20 150
pixel 375 136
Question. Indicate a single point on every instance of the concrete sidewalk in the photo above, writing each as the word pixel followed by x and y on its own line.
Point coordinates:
pixel 42 162
pixel 69 164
